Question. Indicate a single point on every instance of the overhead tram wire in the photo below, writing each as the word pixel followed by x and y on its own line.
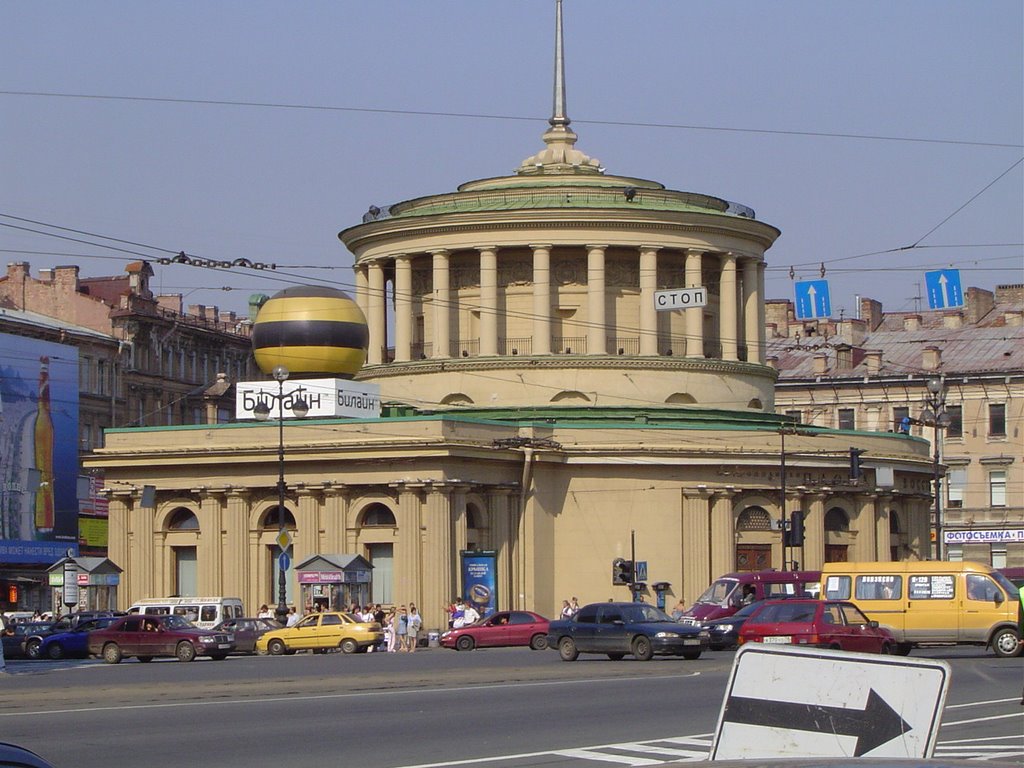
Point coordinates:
pixel 483 116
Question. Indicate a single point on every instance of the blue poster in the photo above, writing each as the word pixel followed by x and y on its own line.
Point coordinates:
pixel 38 450
pixel 479 580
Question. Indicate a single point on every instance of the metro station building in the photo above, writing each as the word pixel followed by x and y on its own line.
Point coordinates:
pixel 540 407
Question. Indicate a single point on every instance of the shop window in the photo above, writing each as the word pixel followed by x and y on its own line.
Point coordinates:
pixel 998 556
pixel 997 487
pixel 956 484
pixel 186 580
pixel 382 556
pixel 997 420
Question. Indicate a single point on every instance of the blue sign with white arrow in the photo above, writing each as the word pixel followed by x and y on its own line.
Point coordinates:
pixel 284 562
pixel 944 289
pixel 812 300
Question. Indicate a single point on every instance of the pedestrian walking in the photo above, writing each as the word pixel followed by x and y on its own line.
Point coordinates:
pixel 414 623
pixel 402 628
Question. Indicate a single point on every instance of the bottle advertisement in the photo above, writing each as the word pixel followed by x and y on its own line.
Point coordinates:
pixel 38 450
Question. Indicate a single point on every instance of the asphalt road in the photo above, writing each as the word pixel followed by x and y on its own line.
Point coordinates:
pixel 503 707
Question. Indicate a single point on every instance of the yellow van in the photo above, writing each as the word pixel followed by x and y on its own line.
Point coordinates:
pixel 931 601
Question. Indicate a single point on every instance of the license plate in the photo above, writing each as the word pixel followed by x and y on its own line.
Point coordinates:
pixel 778 639
pixel 691 641
pixel 223 645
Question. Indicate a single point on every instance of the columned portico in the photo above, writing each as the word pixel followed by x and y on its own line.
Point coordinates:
pixel 694 315
pixel 751 310
pixel 376 317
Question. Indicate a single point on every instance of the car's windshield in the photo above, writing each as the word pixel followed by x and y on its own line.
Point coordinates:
pixel 745 611
pixel 719 591
pixel 177 622
pixel 1006 584
pixel 646 613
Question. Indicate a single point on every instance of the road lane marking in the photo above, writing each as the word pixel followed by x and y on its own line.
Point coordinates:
pixel 586 754
pixel 983 719
pixel 980 703
pixel 330 696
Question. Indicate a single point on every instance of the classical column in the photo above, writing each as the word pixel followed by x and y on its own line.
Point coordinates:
pixel 541 299
pixel 723 534
pixel 408 573
pixel 117 546
pixel 597 333
pixel 814 532
pixel 761 320
pixel 362 288
pixel 727 317
pixel 335 518
pixel 459 519
pixel 403 308
pixel 864 547
pixel 438 558
pixel 238 556
pixel 648 313
pixel 501 502
pixel 883 539
pixel 210 549
pixel 442 304
pixel 140 535
pixel 376 317
pixel 488 300
pixel 307 525
pixel 694 315
pixel 751 315
pixel 696 533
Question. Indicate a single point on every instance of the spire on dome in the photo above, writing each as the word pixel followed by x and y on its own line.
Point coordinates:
pixel 560 156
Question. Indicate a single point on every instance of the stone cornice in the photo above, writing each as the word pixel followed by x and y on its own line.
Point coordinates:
pixel 527 363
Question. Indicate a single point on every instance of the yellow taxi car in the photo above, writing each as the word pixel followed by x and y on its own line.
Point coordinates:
pixel 320 632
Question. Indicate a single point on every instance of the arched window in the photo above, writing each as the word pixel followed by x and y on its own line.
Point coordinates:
pixel 378 516
pixel 183 520
pixel 755 404
pixel 754 519
pixel 837 520
pixel 473 517
pixel 272 522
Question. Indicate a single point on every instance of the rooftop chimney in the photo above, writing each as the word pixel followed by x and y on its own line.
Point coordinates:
pixel 1014 317
pixel 931 358
pixel 978 303
pixel 871 313
pixel 953 319
pixel 873 361
pixel 820 364
pixel 912 323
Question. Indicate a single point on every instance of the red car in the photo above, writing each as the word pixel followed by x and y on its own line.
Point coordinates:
pixel 500 629
pixel 820 623
pixel 146 636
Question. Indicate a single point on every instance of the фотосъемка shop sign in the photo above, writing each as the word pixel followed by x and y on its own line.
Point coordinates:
pixel 984 537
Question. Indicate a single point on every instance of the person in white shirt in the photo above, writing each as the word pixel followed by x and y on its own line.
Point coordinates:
pixel 293 617
pixel 470 615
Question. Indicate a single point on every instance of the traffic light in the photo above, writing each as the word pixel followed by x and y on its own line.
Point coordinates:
pixel 622 571
pixel 855 471
pixel 794 536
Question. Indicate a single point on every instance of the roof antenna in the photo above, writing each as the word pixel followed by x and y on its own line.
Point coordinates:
pixel 558 115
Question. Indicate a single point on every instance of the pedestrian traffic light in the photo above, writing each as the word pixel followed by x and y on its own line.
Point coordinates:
pixel 855 471
pixel 622 571
pixel 794 535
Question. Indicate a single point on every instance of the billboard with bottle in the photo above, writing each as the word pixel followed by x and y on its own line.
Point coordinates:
pixel 38 450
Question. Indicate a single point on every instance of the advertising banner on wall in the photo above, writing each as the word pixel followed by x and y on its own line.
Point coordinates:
pixel 480 580
pixel 38 450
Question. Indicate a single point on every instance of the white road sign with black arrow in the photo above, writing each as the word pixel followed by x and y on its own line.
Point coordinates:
pixel 805 702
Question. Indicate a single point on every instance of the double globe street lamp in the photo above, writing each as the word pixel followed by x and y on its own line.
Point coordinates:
pixel 299 407
pixel 936 416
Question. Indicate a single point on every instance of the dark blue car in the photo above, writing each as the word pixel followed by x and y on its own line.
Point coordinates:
pixel 71 643
pixel 619 629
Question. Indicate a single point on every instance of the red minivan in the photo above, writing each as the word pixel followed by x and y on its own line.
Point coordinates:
pixel 725 595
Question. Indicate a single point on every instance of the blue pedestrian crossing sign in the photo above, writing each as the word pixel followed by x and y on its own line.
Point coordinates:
pixel 284 562
pixel 812 300
pixel 944 289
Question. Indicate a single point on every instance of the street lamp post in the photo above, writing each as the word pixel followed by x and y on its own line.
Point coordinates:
pixel 262 412
pixel 935 414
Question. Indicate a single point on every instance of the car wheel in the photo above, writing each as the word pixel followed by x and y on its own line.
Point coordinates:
pixel 185 651
pixel 567 649
pixel 55 651
pixel 691 655
pixel 218 656
pixel 903 649
pixel 276 647
pixel 33 648
pixel 464 643
pixel 1006 642
pixel 538 642
pixel 348 645
pixel 616 656
pixel 144 659
pixel 885 650
pixel 111 653
pixel 642 649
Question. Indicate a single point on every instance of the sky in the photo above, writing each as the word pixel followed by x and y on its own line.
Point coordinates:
pixel 882 138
